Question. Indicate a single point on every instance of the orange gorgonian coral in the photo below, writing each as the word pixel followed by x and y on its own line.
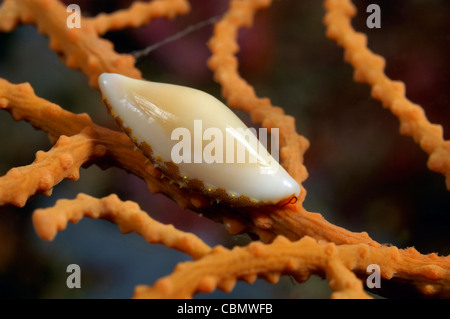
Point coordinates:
pixel 288 240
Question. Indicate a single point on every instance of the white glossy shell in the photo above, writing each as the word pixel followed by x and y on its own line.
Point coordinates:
pixel 150 112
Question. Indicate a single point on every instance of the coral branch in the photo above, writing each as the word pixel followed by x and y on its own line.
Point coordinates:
pixel 221 268
pixel 62 161
pixel 369 68
pixel 126 215
pixel 268 222
pixel 23 104
pixel 9 15
pixel 79 48
pixel 138 14
pixel 344 282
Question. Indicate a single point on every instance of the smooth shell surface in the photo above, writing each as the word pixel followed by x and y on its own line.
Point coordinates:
pixel 154 114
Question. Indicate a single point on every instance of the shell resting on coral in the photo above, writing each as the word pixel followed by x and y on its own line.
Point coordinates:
pixel 197 141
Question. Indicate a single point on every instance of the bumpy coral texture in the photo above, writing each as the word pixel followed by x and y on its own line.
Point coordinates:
pixel 292 242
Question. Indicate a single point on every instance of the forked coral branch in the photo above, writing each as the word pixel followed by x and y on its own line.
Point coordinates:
pixel 138 14
pixel 221 268
pixel 338 263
